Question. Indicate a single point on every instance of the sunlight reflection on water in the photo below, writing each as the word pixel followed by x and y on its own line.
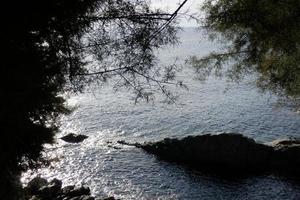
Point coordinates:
pixel 129 173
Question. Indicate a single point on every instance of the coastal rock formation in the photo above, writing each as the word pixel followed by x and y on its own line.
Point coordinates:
pixel 73 138
pixel 40 189
pixel 225 152
pixel 35 184
pixel 286 154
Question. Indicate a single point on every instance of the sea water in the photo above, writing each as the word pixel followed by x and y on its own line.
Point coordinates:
pixel 213 106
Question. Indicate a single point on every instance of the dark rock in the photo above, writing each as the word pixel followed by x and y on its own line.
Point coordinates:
pixel 83 197
pixel 114 147
pixel 36 184
pixel 67 189
pixel 228 152
pixel 223 151
pixel 286 155
pixel 51 190
pixel 109 198
pixel 122 142
pixel 285 143
pixel 34 198
pixel 73 198
pixel 76 192
pixel 73 138
pixel 55 185
pixel 45 193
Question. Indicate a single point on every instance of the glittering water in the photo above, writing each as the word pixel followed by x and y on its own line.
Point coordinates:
pixel 130 173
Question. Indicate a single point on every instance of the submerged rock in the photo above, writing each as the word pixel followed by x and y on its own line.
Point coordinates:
pixel 226 151
pixel 73 138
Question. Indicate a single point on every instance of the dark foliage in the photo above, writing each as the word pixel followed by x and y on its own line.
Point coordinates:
pixel 261 36
pixel 55 46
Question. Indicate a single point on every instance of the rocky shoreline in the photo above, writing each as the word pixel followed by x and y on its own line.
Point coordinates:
pixel 40 189
pixel 228 152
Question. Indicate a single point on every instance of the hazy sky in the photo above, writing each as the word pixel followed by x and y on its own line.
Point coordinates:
pixel 171 6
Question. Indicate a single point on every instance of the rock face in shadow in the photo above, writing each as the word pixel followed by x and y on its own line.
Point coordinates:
pixel 40 189
pixel 286 154
pixel 73 138
pixel 227 152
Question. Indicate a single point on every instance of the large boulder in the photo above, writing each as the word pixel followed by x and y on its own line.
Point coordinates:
pixel 36 184
pixel 223 151
pixel 228 152
pixel 51 190
pixel 73 138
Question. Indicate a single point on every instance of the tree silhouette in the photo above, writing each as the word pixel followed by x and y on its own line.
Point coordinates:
pixel 261 36
pixel 57 46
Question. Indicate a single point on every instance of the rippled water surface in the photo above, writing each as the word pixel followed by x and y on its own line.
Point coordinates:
pixel 130 173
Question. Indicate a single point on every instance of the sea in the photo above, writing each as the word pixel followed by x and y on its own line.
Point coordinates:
pixel 215 105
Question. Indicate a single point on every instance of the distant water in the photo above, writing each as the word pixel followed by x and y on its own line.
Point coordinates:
pixel 130 173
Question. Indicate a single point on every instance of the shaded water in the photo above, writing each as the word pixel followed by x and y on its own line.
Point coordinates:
pixel 130 173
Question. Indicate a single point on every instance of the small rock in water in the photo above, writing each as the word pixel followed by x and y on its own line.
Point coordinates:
pixel 73 138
